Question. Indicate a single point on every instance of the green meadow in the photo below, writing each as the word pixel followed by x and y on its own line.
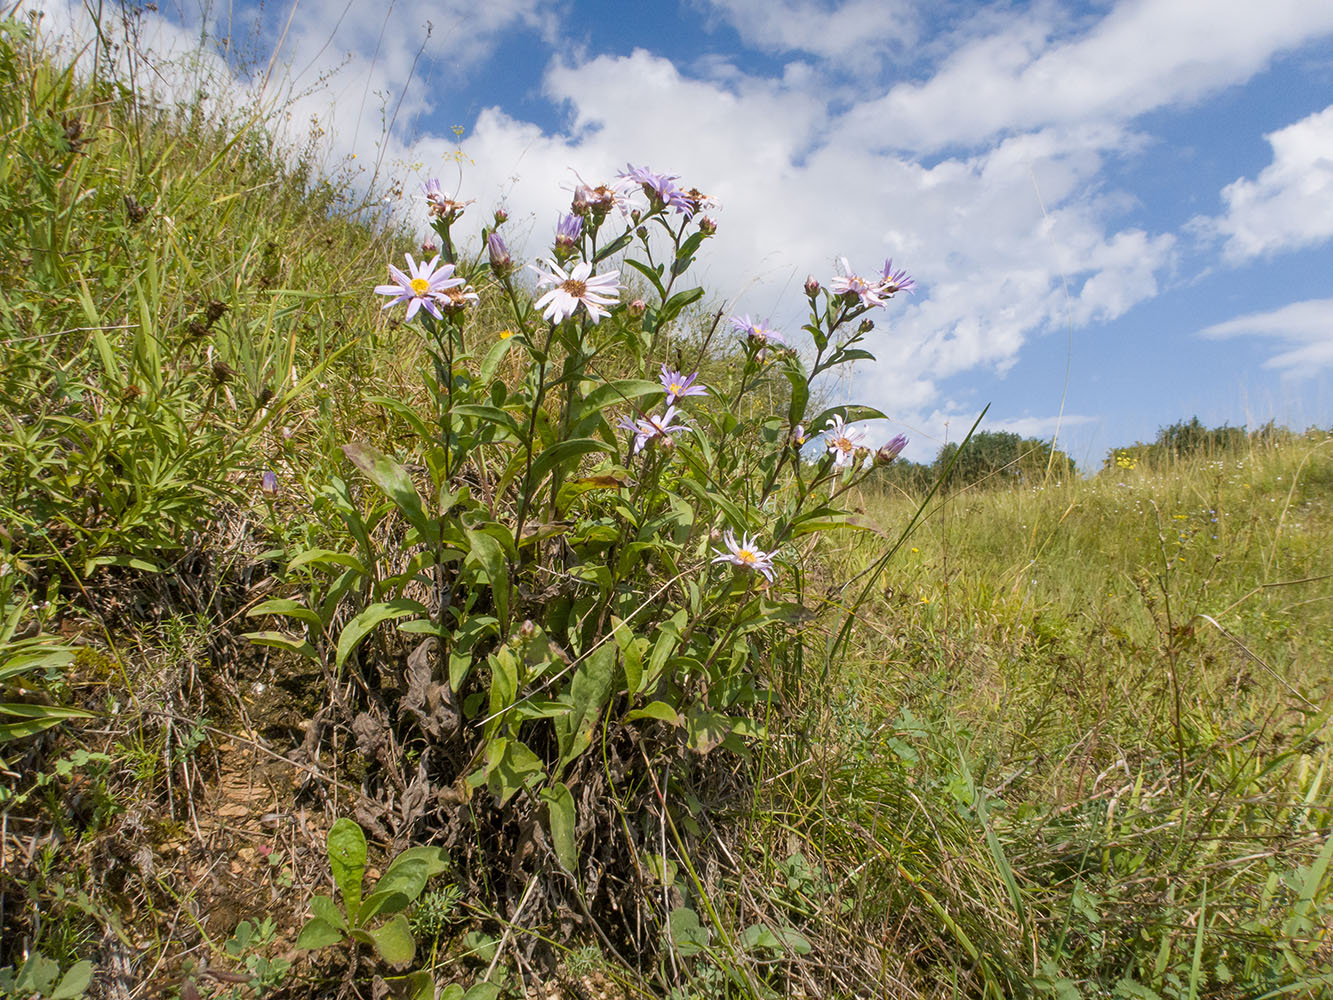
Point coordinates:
pixel 347 655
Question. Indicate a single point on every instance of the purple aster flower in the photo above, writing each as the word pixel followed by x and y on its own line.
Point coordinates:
pixel 439 204
pixel 746 554
pixel 659 188
pixel 268 483
pixel 843 440
pixel 646 428
pixel 421 288
pixel 678 386
pixel 567 233
pixel 499 253
pixel 888 452
pixel 851 284
pixel 561 301
pixel 894 281
pixel 755 333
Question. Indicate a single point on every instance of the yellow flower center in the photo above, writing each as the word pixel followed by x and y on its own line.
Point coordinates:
pixel 575 288
pixel 675 389
pixel 420 286
pixel 843 444
pixel 746 556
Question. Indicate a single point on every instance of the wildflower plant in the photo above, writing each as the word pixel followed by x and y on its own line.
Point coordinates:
pixel 548 574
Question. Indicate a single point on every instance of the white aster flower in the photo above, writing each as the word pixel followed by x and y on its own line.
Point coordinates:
pixel 562 300
pixel 746 554
pixel 843 440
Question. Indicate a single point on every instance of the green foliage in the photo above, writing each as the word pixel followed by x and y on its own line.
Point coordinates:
pixel 39 976
pixel 994 458
pixel 1187 439
pixel 28 668
pixel 356 921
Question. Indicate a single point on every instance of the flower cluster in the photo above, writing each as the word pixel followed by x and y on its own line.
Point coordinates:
pixel 660 189
pixel 871 293
pixel 646 428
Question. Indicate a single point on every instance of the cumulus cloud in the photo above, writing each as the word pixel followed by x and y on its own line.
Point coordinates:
pixel 1305 328
pixel 855 34
pixel 1290 204
pixel 1142 55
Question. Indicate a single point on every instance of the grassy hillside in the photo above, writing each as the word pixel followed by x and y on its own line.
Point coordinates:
pixel 300 594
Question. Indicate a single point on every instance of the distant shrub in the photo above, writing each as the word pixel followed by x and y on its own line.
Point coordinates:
pixel 999 458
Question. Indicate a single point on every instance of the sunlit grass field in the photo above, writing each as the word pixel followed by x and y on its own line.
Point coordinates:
pixel 1060 737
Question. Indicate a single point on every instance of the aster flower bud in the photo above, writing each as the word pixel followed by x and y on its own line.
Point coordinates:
pixel 268 483
pixel 888 452
pixel 429 249
pixel 582 200
pixel 811 286
pixel 707 225
pixel 285 433
pixel 866 326
pixel 501 216
pixel 527 630
pixel 635 215
pixel 501 262
pixel 637 308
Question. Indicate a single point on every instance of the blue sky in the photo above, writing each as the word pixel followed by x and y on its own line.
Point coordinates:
pixel 1168 162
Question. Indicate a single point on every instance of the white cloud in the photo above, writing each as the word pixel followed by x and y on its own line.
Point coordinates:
pixel 855 34
pixel 1306 328
pixel 1290 204
pixel 1144 54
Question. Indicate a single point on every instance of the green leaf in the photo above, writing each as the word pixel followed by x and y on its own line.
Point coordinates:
pixel 392 478
pixel 800 390
pixel 487 554
pixel 614 247
pixel 705 731
pixel 849 414
pixel 482 991
pixel 288 609
pixel 561 821
pixel 394 941
pixel 325 557
pixel 492 415
pixel 563 451
pixel 361 626
pixel 659 710
pixel 317 933
pixel 672 307
pixel 589 691
pixel 347 861
pixel 325 909
pixel 511 766
pixel 687 934
pixel 74 982
pixel 281 640
pixel 420 985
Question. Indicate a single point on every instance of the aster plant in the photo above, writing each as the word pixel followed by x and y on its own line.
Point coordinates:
pixel 543 553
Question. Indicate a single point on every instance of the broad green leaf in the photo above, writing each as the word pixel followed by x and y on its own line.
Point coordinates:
pixel 705 731
pixel 347 860
pixel 512 767
pixel 325 909
pixel 289 609
pixel 482 991
pixel 614 247
pixel 73 983
pixel 487 554
pixel 394 941
pixel 659 710
pixel 561 820
pixel 672 307
pixel 325 557
pixel 392 479
pixel 281 640
pixel 589 691
pixel 405 411
pixel 364 623
pixel 564 451
pixel 420 985
pixel 849 414
pixel 687 934
pixel 492 415
pixel 317 933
